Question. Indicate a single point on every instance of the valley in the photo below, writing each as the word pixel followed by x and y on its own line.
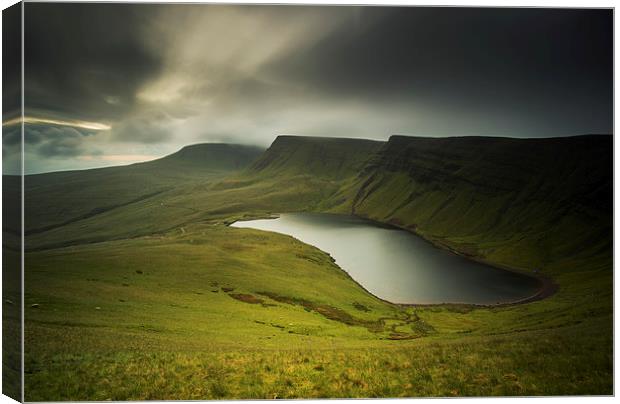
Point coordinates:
pixel 137 287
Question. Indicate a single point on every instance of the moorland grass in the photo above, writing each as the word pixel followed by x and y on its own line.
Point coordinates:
pixel 169 323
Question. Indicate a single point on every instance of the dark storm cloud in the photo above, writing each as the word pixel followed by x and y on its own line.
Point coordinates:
pixel 152 78
pixel 86 59
pixel 11 136
pixel 41 142
pixel 425 47
pixel 149 127
pixel 11 150
pixel 55 141
pixel 558 60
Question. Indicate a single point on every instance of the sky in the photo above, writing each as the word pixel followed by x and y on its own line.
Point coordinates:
pixel 109 84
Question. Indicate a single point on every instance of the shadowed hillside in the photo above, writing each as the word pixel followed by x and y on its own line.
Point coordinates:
pixel 520 202
pixel 322 157
pixel 215 157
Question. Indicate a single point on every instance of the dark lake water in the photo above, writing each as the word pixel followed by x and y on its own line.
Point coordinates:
pixel 398 266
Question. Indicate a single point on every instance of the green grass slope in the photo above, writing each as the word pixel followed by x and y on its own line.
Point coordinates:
pixel 219 312
pixel 198 315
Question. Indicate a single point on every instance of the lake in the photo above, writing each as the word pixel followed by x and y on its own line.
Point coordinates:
pixel 398 266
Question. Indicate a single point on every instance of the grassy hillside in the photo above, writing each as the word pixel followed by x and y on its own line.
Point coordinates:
pixel 524 203
pixel 156 297
pixel 181 189
pixel 55 200
pixel 219 312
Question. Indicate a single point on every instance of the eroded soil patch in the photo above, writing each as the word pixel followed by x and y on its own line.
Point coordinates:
pixel 417 326
pixel 251 299
pixel 246 298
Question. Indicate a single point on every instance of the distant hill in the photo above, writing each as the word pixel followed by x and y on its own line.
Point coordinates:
pixel 217 157
pixel 58 198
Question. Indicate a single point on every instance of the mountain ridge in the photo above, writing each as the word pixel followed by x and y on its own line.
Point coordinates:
pixel 525 192
pixel 325 157
pixel 65 196
pixel 220 156
pixel 487 197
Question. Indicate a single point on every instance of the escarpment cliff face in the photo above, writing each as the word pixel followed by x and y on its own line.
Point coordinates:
pixel 321 157
pixel 500 164
pixel 522 202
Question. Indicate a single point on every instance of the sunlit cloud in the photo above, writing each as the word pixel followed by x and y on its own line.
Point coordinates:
pixel 110 99
pixel 166 89
pixel 46 121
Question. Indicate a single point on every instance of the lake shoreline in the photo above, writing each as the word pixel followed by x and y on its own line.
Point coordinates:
pixel 547 286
